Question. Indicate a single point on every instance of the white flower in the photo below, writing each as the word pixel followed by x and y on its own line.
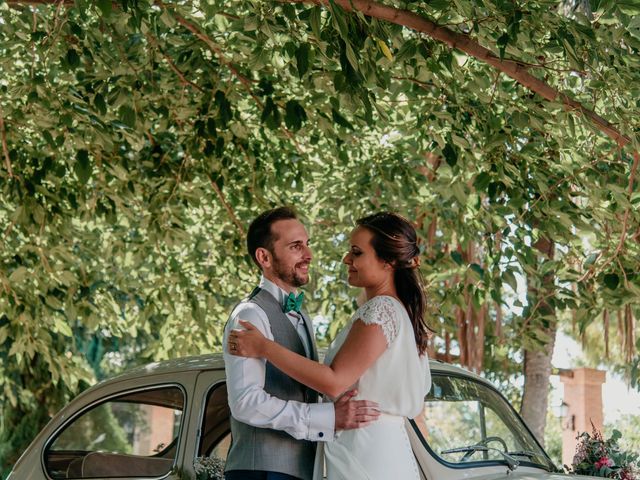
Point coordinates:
pixel 209 468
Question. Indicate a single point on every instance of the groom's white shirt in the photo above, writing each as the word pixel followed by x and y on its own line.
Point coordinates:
pixel 248 401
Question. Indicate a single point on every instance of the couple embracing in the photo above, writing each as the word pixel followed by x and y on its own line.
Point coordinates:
pixel 375 373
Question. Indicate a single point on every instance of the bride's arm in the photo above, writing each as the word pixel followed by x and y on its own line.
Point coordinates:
pixel 362 347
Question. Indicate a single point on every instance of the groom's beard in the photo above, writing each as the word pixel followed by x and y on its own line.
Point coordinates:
pixel 290 276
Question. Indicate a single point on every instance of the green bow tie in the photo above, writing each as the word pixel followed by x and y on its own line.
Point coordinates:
pixel 293 303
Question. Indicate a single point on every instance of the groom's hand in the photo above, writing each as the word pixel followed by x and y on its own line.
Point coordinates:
pixel 354 413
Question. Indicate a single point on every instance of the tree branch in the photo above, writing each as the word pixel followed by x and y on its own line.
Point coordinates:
pixel 216 50
pixel 625 222
pixel 39 2
pixel 177 71
pixel 223 60
pixel 430 170
pixel 553 187
pixel 625 226
pixel 227 207
pixel 5 148
pixel 424 85
pixel 466 44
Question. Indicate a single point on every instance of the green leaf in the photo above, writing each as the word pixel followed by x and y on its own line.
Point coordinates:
pixel 104 6
pixel 212 131
pixel 63 328
pixel 611 281
pixel 265 86
pixel 351 56
pixel 76 29
pixel 314 20
pixel 53 302
pixel 66 120
pixel 340 21
pixel 225 112
pixel 18 275
pixel 38 35
pixel 450 154
pixel 340 120
pixel 630 7
pixel 481 181
pixel 502 42
pixel 572 127
pixel 510 279
pixel 73 60
pixel 439 4
pixel 82 167
pixel 167 19
pixel 477 268
pixel 128 116
pixel 302 59
pixel 271 114
pixel 100 104
pixel 634 27
pixel 294 115
pixel 457 257
pixel 49 139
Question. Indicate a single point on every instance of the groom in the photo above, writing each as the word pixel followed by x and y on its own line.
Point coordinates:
pixel 276 420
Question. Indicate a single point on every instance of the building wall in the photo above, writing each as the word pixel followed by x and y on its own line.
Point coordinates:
pixel 583 400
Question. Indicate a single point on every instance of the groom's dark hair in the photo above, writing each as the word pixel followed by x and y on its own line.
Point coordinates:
pixel 260 234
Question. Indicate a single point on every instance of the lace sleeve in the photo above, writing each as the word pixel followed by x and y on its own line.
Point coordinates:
pixel 380 311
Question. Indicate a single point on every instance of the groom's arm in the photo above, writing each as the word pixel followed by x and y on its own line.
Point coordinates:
pixel 248 401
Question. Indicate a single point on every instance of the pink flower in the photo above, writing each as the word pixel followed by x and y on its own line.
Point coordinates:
pixel 604 462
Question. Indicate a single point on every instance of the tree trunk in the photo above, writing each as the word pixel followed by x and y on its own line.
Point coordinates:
pixel 537 371
pixel 537 363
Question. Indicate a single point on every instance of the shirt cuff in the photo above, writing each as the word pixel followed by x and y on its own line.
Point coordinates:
pixel 322 422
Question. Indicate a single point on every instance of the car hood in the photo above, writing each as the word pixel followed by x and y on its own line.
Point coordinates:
pixel 532 476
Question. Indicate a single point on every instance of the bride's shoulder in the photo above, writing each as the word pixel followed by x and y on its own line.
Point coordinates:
pixel 381 305
pixel 381 310
pixel 381 300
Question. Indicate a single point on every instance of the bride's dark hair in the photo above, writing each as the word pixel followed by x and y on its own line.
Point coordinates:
pixel 395 241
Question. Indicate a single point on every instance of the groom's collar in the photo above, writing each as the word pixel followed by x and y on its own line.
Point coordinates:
pixel 278 293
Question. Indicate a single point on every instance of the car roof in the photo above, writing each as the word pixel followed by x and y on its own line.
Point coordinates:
pixel 210 361
pixel 214 361
pixel 437 366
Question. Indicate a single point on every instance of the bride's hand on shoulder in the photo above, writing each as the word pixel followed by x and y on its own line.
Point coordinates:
pixel 248 342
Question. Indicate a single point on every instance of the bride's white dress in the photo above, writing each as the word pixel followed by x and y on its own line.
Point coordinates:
pixel 398 381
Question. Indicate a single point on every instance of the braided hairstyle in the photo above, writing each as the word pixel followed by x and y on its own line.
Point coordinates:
pixel 395 241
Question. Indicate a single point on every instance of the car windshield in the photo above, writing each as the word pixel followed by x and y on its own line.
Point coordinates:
pixel 466 422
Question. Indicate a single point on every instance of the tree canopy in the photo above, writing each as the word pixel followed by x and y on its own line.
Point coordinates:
pixel 139 138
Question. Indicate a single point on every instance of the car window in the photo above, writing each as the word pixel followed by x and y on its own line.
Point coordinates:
pixel 215 433
pixel 131 435
pixel 465 421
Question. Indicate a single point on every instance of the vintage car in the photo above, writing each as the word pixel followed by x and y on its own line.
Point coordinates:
pixel 170 420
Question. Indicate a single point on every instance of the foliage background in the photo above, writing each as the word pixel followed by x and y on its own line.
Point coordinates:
pixel 140 138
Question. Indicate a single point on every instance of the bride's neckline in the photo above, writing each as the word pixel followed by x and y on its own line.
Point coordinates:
pixel 383 295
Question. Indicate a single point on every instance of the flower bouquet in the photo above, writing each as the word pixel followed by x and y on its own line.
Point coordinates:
pixel 603 458
pixel 209 468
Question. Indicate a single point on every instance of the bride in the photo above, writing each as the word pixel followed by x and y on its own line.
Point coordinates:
pixel 381 352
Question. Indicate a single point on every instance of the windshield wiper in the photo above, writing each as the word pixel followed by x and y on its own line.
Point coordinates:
pixel 523 453
pixel 512 463
pixel 529 454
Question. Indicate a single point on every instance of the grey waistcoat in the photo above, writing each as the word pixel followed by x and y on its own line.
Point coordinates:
pixel 263 448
